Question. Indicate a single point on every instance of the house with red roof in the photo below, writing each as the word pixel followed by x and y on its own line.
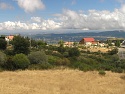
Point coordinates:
pixel 9 38
pixel 88 41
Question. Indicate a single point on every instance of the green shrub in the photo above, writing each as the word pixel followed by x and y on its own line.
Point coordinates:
pixel 38 57
pixel 21 61
pixel 117 70
pixel 9 65
pixel 52 59
pixel 113 51
pixel 63 62
pixel 40 66
pixel 3 58
pixel 9 52
pixel 81 66
pixel 45 66
pixel 102 72
pixel 1 70
pixel 74 52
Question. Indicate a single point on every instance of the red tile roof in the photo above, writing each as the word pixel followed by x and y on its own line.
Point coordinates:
pixel 89 39
pixel 10 37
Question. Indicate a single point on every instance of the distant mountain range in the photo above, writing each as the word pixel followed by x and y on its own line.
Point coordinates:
pixel 78 36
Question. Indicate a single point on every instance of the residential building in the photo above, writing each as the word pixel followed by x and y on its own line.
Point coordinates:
pixel 88 41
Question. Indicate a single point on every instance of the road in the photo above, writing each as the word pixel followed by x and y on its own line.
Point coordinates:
pixel 121 53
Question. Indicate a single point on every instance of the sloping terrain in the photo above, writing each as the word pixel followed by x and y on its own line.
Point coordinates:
pixel 60 82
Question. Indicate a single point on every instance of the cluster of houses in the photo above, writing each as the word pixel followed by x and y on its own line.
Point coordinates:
pixel 87 41
pixel 90 41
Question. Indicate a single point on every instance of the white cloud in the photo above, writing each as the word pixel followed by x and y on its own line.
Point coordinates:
pixel 93 20
pixel 36 19
pixel 5 6
pixel 44 25
pixel 31 5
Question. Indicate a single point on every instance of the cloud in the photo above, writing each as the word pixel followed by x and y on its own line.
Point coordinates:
pixel 93 20
pixel 69 19
pixel 31 5
pixel 44 25
pixel 36 19
pixel 5 6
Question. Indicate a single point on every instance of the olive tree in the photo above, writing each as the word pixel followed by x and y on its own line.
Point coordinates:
pixel 38 57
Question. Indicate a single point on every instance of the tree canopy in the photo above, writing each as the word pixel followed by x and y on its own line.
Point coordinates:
pixel 3 44
pixel 21 45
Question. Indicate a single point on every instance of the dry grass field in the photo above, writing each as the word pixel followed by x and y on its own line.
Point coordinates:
pixel 102 49
pixel 60 82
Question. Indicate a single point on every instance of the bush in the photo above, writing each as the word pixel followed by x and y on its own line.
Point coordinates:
pixel 74 52
pixel 118 70
pixel 38 57
pixel 113 51
pixel 81 66
pixel 52 59
pixel 9 52
pixel 40 66
pixel 63 62
pixel 45 66
pixel 102 72
pixel 9 65
pixel 3 58
pixel 20 61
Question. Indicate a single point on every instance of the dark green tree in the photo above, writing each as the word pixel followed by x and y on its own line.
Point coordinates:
pixel 117 43
pixel 21 45
pixel 33 43
pixel 3 44
pixel 41 44
pixel 61 49
pixel 74 52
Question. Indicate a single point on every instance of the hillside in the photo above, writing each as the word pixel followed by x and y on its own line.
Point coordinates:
pixel 60 82
pixel 78 36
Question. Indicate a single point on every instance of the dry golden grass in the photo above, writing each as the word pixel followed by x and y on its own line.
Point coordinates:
pixel 60 82
pixel 104 50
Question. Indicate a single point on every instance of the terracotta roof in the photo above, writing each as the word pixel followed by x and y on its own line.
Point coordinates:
pixel 10 37
pixel 89 39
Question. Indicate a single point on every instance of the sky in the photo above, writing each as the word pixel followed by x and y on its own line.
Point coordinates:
pixel 61 15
